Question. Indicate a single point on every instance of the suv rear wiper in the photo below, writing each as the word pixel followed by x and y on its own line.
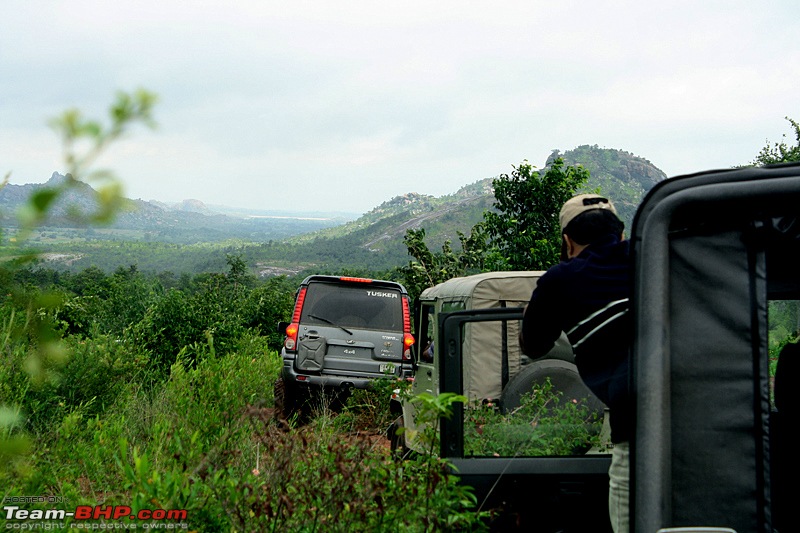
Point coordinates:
pixel 331 323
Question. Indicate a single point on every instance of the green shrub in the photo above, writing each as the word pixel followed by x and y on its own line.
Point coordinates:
pixel 216 449
pixel 368 410
pixel 313 479
pixel 544 424
pixel 180 321
pixel 268 304
pixel 206 440
pixel 89 382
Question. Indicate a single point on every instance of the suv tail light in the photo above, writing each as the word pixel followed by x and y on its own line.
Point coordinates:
pixel 290 343
pixel 408 338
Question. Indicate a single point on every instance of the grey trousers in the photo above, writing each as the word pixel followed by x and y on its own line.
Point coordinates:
pixel 619 487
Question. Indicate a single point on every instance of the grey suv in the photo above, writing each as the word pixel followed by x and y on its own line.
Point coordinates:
pixel 345 332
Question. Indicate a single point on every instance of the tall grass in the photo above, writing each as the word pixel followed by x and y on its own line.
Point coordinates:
pixel 205 440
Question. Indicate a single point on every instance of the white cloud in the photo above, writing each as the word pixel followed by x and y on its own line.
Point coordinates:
pixel 264 103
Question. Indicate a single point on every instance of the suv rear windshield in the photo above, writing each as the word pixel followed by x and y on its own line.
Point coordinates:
pixel 352 306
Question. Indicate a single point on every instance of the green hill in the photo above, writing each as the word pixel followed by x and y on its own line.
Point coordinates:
pixel 621 175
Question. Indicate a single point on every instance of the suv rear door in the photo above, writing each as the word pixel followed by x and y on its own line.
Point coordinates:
pixel 351 329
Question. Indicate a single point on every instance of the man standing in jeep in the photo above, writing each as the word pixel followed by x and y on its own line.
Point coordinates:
pixel 587 296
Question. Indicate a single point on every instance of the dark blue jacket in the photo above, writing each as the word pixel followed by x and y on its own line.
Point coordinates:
pixel 587 297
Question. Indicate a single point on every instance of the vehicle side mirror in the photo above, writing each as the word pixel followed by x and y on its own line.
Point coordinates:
pixel 282 327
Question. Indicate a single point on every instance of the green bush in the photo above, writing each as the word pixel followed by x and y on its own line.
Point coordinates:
pixel 268 304
pixel 89 382
pixel 368 410
pixel 314 479
pixel 544 424
pixel 180 321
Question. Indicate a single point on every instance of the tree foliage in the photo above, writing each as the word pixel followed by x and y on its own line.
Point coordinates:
pixel 780 152
pixel 430 268
pixel 525 229
pixel 522 234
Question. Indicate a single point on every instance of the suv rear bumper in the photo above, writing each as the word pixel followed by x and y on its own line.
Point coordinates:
pixel 359 380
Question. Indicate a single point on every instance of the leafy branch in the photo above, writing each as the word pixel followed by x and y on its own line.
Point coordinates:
pixel 34 334
pixel 780 152
pixel 76 132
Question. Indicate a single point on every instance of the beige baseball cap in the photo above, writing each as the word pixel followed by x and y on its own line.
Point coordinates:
pixel 580 204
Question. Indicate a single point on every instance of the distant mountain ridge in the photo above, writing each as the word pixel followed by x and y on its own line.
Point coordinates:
pixel 373 240
pixel 390 219
pixel 185 222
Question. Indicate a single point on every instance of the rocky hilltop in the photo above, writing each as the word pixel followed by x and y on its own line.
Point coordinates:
pixel 624 177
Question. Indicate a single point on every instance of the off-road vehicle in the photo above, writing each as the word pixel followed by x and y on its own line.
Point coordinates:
pixel 345 332
pixel 715 257
pixel 495 371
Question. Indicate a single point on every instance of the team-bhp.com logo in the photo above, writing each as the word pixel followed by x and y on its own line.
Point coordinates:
pixel 120 517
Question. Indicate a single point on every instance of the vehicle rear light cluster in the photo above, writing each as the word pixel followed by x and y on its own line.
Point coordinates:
pixel 290 343
pixel 359 280
pixel 408 338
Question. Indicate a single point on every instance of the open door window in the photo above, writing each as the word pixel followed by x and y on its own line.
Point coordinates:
pixel 521 462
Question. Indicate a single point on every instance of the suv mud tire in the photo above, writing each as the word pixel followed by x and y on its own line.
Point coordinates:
pixel 397 441
pixel 286 402
pixel 562 374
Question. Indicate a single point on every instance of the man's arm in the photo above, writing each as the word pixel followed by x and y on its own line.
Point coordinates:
pixel 541 325
pixel 521 336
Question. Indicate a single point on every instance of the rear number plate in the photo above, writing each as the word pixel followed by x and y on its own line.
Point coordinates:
pixel 387 368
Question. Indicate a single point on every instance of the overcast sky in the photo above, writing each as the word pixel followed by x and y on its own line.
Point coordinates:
pixel 343 105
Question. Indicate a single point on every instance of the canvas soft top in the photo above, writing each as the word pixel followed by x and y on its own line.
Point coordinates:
pixel 492 355
pixel 487 289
